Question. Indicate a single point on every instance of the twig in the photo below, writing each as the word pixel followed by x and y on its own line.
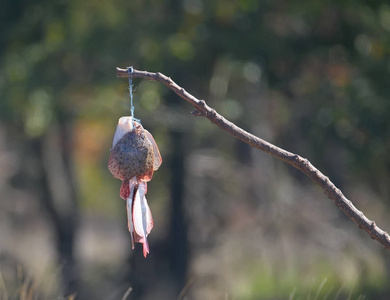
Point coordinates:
pixel 302 164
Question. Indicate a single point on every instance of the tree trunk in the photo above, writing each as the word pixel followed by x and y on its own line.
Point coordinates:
pixel 58 196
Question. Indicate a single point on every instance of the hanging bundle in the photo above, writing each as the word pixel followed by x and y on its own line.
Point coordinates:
pixel 133 159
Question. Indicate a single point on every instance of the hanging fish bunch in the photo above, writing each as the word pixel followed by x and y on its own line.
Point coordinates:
pixel 133 159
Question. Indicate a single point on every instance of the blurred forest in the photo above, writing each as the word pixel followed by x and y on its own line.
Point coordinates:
pixel 231 222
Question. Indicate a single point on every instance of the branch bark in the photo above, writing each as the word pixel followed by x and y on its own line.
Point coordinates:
pixel 302 164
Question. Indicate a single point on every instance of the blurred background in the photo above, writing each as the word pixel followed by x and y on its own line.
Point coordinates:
pixel 230 221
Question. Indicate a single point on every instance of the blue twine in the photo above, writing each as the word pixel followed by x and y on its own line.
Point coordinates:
pixel 130 73
pixel 130 76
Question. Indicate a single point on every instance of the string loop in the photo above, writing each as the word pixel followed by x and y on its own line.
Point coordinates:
pixel 130 71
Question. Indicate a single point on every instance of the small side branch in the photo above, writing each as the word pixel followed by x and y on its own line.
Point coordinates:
pixel 302 164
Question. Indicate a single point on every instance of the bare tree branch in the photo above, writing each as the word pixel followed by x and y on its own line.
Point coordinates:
pixel 302 164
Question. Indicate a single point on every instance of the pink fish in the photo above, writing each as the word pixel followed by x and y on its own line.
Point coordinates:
pixel 134 157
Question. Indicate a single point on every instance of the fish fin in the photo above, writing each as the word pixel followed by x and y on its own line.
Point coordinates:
pixel 142 217
pixel 125 189
pixel 157 156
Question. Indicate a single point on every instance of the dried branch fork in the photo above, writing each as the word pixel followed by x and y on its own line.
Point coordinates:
pixel 302 164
